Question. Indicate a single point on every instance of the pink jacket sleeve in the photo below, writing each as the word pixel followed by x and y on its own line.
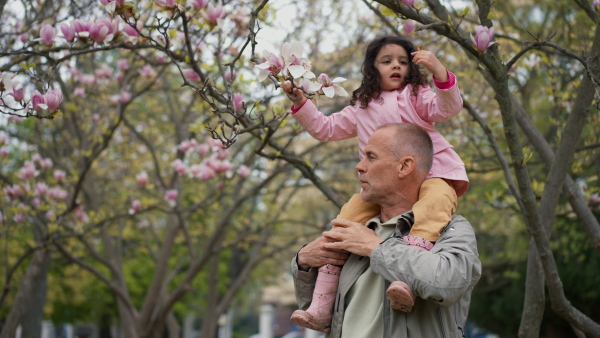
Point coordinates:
pixel 441 105
pixel 337 126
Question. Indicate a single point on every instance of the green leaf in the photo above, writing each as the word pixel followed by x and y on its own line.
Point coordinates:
pixel 490 15
pixel 465 11
pixel 172 33
pixel 387 11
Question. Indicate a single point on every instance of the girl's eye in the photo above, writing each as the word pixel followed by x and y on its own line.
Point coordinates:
pixel 403 63
pixel 386 62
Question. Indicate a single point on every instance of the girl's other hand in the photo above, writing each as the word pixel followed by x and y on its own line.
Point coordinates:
pixel 294 94
pixel 431 63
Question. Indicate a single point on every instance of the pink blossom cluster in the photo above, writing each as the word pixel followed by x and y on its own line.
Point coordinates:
pixel 291 63
pixel 101 31
pixel 216 163
pixel 49 101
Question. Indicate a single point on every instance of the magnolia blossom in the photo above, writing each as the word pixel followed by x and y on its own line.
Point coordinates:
pixel 28 171
pixel 231 76
pixel 47 35
pixel 68 32
pixel 483 38
pixel 142 178
pixel 104 72
pixel 131 31
pixel 46 163
pixel 13 192
pixel 41 189
pixel 4 151
pixel 23 37
pixel 273 65
pixel 82 30
pixel 328 87
pixel 136 206
pixel 50 215
pixel 53 98
pixel 87 79
pixel 57 193
pixel 409 27
pixel 125 97
pixel 295 64
pixel 7 80
pixel 243 171
pixel 207 173
pixel 147 71
pixel 191 75
pixel 122 65
pixel 408 2
pixel 197 4
pixel 215 13
pixel 187 145
pixel 36 202
pixel 38 102
pixel 203 148
pixel 179 166
pixel 79 92
pixel 119 3
pixel 596 3
pixel 238 101
pixel 171 196
pixel 19 217
pixel 18 91
pixel 59 175
pixel 103 30
pixel 36 158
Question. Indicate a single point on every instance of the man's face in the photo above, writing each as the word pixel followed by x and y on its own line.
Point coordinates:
pixel 378 170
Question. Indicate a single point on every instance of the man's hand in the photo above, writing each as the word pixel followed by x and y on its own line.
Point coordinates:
pixel 315 254
pixel 353 237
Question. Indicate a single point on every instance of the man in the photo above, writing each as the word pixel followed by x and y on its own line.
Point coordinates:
pixel 397 160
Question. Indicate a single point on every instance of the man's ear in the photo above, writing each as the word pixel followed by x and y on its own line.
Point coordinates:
pixel 406 165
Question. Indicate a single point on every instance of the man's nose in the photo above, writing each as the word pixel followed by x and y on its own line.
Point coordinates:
pixel 360 167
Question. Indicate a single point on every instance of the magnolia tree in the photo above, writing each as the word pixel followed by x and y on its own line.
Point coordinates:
pixel 130 157
pixel 127 156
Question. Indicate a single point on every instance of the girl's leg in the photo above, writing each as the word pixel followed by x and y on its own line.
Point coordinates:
pixel 318 315
pixel 432 212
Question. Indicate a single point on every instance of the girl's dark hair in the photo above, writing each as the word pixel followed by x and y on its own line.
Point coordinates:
pixel 370 87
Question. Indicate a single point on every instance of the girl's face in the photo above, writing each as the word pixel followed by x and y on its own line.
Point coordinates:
pixel 392 63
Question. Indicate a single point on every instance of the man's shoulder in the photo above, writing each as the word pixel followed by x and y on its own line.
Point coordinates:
pixel 458 223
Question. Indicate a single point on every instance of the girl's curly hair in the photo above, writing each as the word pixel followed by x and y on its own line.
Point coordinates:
pixel 370 87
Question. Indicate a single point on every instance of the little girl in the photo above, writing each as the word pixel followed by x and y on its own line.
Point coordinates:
pixel 393 90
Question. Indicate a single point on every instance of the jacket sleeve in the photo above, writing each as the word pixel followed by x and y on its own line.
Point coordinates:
pixel 438 106
pixel 443 274
pixel 304 284
pixel 337 126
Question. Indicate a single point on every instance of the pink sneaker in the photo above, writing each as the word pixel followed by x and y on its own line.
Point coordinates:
pixel 401 296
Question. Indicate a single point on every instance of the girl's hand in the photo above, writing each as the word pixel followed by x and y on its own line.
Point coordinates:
pixel 294 94
pixel 431 63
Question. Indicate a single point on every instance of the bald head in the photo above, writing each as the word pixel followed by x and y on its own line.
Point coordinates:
pixel 411 140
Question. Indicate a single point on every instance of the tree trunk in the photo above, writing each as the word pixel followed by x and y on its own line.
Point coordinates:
pixel 25 293
pixel 34 314
pixel 535 300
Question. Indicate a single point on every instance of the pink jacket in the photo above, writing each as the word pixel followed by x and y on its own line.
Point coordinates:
pixel 397 107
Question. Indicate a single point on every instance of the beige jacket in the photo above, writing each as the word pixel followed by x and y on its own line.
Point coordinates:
pixel 442 279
